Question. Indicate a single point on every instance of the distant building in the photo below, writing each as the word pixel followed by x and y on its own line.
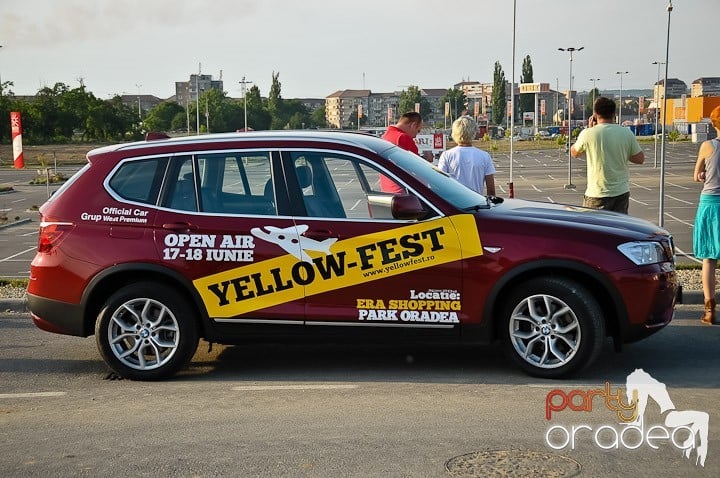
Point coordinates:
pixel 379 109
pixel 675 88
pixel 143 103
pixel 707 86
pixel 342 106
pixel 312 103
pixel 187 91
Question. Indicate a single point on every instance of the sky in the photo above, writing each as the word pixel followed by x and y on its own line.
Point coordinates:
pixel 321 46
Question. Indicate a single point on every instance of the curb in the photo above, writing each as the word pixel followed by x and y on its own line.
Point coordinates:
pixel 13 305
pixel 15 223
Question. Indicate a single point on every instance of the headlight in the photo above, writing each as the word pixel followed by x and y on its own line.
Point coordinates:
pixel 643 252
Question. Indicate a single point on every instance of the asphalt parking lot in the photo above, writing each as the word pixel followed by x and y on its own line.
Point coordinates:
pixel 539 175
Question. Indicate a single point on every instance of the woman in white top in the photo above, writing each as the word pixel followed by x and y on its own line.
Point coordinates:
pixel 469 165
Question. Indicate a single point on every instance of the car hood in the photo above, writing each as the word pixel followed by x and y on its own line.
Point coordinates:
pixel 565 213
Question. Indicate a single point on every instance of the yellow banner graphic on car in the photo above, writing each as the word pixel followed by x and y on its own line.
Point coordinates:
pixel 350 262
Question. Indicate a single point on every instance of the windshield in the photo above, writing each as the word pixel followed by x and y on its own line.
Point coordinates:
pixel 440 183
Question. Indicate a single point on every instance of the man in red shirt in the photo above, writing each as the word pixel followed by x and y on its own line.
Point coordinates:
pixel 402 134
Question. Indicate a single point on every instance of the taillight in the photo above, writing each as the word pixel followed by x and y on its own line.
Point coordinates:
pixel 52 234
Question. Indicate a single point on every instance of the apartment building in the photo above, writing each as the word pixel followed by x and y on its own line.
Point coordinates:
pixel 187 91
pixel 707 86
pixel 380 109
pixel 675 88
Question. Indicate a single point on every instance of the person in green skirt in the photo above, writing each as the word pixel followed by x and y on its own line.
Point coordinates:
pixel 706 234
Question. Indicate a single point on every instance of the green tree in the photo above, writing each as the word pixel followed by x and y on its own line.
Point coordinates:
pixel 317 118
pixel 296 114
pixel 6 106
pixel 259 117
pixel 408 99
pixel 161 117
pixel 275 104
pixel 457 99
pixel 527 100
pixel 499 101
pixel 594 93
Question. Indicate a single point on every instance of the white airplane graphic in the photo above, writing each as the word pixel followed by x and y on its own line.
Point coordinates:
pixel 291 239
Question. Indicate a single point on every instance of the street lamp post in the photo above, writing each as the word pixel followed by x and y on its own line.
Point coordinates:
pixel 139 110
pixel 664 110
pixel 197 99
pixel 570 50
pixel 621 73
pixel 657 101
pixel 1 88
pixel 244 84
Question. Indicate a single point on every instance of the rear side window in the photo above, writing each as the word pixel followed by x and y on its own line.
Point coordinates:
pixel 139 180
pixel 237 183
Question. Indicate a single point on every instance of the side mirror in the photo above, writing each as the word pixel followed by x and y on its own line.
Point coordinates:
pixel 406 206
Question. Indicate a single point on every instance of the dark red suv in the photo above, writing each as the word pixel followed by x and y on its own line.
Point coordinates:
pixel 290 236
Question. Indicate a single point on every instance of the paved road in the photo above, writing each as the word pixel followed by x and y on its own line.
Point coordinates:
pixel 332 411
pixel 537 175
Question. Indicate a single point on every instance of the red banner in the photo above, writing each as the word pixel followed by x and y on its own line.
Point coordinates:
pixel 16 129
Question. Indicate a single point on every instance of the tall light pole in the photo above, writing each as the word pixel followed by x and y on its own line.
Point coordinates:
pixel 197 100
pixel 657 101
pixel 511 185
pixel 139 110
pixel 1 88
pixel 570 50
pixel 594 89
pixel 621 73
pixel 664 110
pixel 244 84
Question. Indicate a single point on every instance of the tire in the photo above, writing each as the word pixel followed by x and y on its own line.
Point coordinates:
pixel 145 331
pixel 552 327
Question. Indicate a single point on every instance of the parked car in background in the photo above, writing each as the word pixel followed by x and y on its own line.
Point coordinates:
pixel 288 236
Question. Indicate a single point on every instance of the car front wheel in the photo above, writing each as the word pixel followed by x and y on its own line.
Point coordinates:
pixel 145 331
pixel 552 327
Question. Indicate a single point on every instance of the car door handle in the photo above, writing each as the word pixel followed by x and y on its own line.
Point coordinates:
pixel 179 226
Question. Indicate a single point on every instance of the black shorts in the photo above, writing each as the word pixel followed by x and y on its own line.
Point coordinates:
pixel 616 203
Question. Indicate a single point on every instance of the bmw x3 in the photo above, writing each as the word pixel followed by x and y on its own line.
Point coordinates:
pixel 290 236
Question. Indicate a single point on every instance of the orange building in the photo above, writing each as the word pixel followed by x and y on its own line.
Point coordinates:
pixel 689 110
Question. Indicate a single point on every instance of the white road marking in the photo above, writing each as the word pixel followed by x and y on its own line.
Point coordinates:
pixel 689 256
pixel 677 185
pixel 261 388
pixel 639 202
pixel 641 187
pixel 550 199
pixel 32 394
pixel 679 220
pixel 677 199
pixel 18 254
pixel 536 188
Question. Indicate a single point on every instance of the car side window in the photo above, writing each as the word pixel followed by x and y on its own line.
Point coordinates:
pixel 237 183
pixel 339 186
pixel 182 184
pixel 139 180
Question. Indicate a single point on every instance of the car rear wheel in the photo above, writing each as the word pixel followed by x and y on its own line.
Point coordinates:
pixel 145 331
pixel 552 327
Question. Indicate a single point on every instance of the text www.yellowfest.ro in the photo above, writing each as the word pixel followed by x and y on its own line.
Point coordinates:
pixel 399 265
